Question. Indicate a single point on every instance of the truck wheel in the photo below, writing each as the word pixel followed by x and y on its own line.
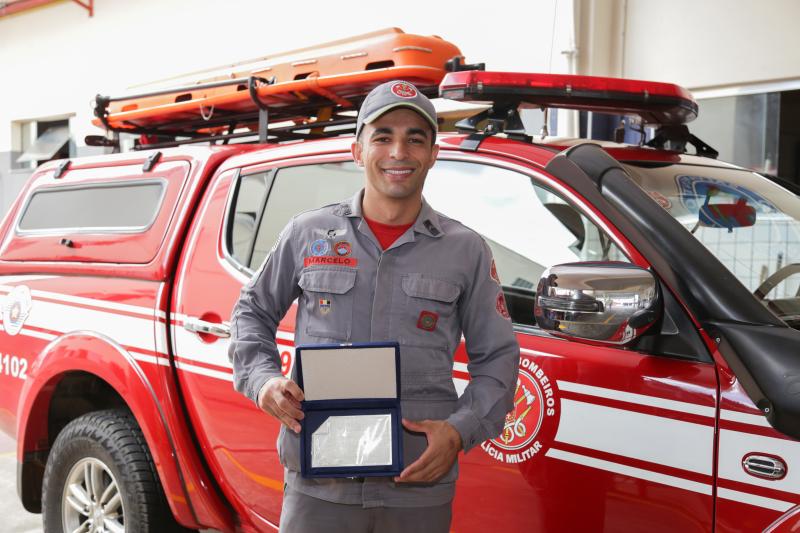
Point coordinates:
pixel 100 478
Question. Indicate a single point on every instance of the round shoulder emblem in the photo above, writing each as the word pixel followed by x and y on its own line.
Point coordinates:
pixel 16 308
pixel 343 248
pixel 404 90
pixel 531 424
pixel 320 247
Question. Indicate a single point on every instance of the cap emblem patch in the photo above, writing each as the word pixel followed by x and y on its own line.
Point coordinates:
pixel 404 90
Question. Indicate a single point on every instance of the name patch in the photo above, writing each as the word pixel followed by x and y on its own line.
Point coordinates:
pixel 330 260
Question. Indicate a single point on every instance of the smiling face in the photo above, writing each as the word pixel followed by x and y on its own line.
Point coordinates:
pixel 396 151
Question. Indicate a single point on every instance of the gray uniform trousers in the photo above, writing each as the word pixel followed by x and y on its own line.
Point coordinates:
pixel 305 514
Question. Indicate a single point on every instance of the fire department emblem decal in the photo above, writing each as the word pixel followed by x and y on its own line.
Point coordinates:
pixel 531 424
pixel 16 308
pixel 404 90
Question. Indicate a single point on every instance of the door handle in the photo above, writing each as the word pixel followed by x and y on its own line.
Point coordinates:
pixel 764 466
pixel 195 325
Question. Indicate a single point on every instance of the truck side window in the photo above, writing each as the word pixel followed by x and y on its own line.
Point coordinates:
pixel 527 226
pixel 250 195
pixel 108 207
pixel 298 189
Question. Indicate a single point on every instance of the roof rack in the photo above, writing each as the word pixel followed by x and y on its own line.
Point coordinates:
pixel 303 94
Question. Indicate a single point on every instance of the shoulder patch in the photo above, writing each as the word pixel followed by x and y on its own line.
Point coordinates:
pixel 493 273
pixel 502 310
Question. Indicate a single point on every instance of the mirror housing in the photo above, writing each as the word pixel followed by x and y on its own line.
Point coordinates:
pixel 609 303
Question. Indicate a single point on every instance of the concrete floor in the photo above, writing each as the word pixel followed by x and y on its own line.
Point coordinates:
pixel 15 519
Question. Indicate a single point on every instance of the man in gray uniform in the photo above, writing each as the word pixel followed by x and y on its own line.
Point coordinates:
pixel 383 266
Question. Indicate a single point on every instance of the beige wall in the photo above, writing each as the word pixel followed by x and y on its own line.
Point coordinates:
pixel 699 44
pixel 55 59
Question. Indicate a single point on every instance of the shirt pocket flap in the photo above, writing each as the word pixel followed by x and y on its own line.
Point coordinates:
pixel 431 289
pixel 330 281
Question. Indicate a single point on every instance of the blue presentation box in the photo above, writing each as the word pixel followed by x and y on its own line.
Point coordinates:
pixel 352 425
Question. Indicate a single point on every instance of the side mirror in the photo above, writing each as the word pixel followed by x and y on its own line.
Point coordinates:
pixel 607 303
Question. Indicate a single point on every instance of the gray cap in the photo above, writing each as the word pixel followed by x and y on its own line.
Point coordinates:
pixel 391 95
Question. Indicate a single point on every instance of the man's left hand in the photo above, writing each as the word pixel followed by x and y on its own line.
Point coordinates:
pixel 444 443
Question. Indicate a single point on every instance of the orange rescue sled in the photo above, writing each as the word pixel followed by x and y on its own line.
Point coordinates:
pixel 306 86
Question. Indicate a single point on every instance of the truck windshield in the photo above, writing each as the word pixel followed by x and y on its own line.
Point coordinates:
pixel 751 224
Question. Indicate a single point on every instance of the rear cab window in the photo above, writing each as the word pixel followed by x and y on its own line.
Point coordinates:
pixel 113 214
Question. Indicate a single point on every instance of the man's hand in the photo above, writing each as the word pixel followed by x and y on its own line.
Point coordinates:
pixel 444 443
pixel 281 397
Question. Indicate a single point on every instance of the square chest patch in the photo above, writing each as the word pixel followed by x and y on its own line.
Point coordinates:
pixel 324 306
pixel 427 320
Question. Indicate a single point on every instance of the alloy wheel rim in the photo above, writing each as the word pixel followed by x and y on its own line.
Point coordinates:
pixel 91 501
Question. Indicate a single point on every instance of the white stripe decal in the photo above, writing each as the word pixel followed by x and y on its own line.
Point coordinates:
pixel 639 399
pixel 161 339
pixel 204 371
pixel 461 367
pixel 284 335
pixel 125 330
pixel 460 384
pixel 608 466
pixel 528 351
pixel 735 445
pixel 146 358
pixel 752 499
pixel 20 279
pixel 103 304
pixel 744 418
pixel 189 346
pixel 637 435
pixel 37 334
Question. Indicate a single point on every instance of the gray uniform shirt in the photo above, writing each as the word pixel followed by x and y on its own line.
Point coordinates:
pixel 435 282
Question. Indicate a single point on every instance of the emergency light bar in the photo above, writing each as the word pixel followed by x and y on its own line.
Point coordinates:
pixel 654 102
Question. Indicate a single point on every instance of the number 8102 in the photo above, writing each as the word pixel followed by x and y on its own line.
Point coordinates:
pixel 14 366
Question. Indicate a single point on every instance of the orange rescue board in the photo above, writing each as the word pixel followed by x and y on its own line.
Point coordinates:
pixel 328 74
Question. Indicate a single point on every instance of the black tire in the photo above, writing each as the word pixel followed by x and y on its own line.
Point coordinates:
pixel 108 448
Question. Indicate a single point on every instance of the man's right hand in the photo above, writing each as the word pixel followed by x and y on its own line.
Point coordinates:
pixel 281 397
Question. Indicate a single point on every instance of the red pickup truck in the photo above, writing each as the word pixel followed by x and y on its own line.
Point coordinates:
pixel 653 293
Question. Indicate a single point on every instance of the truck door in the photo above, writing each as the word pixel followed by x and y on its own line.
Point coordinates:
pixel 600 439
pixel 237 224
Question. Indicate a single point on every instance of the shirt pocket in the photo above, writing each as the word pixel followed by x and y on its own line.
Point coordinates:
pixel 328 298
pixel 426 314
